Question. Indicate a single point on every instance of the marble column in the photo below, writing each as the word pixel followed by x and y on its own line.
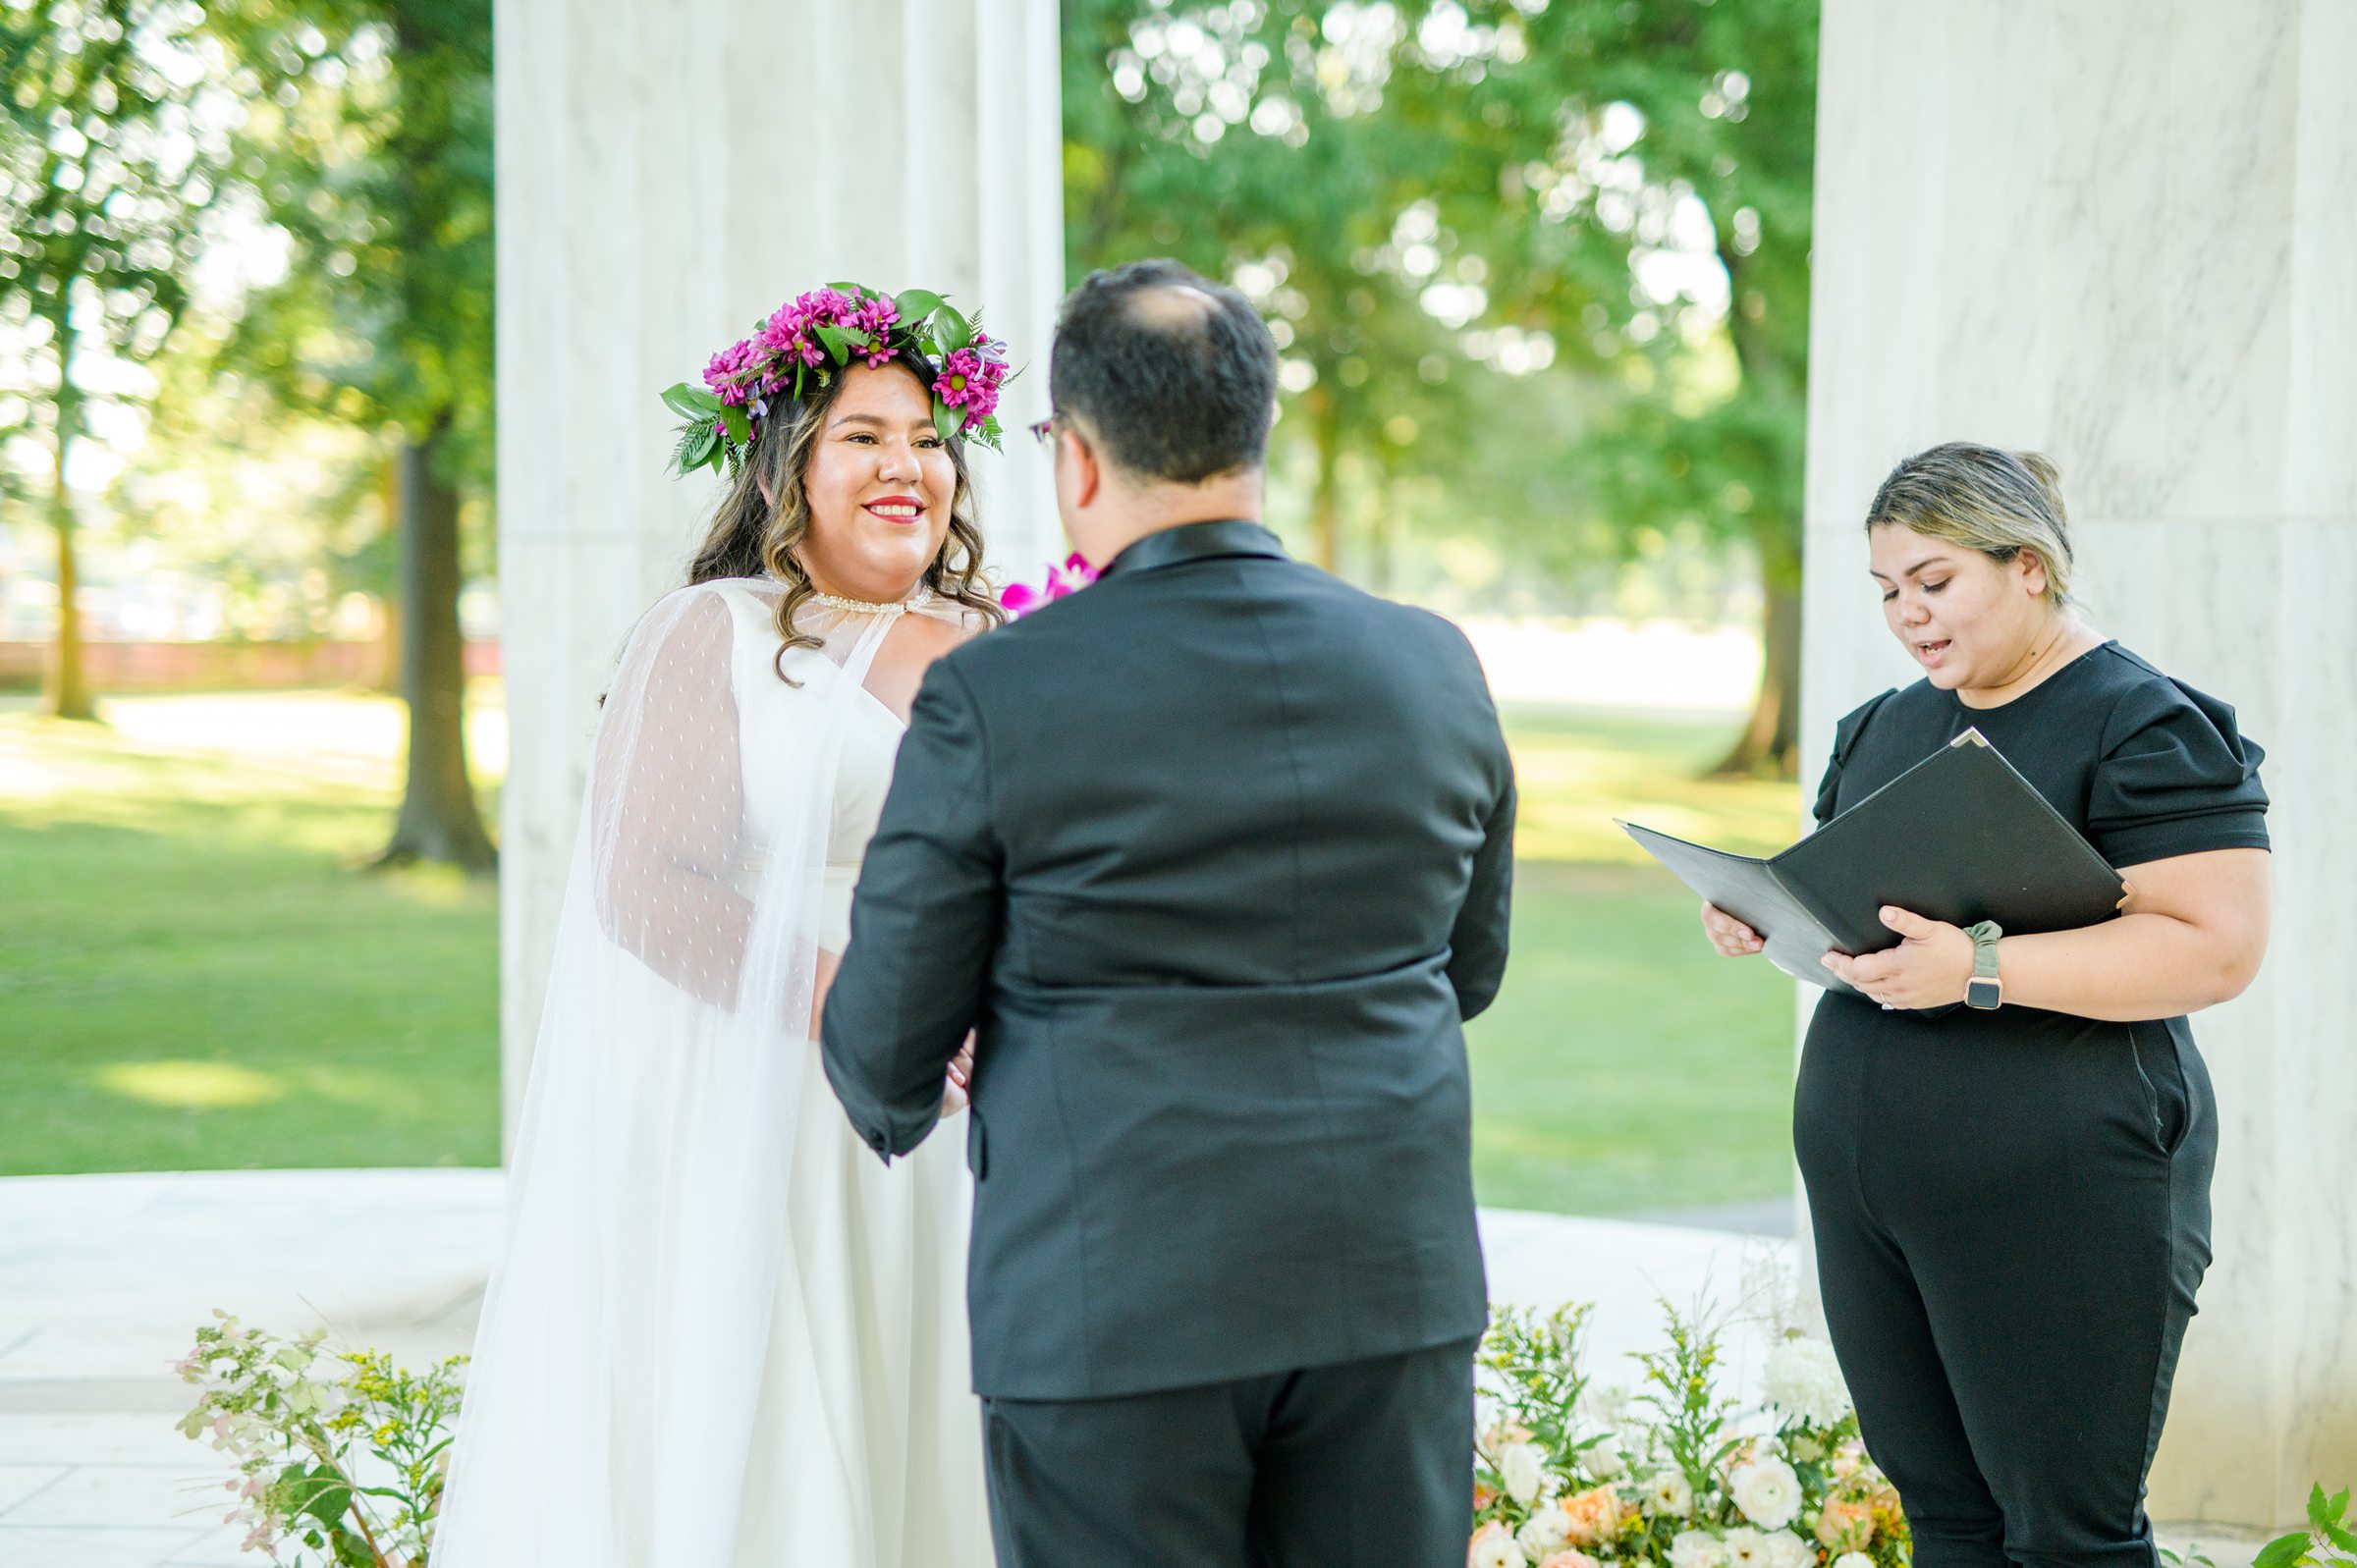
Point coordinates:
pixel 669 171
pixel 2117 231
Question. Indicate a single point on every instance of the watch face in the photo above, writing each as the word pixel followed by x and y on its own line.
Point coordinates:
pixel 1982 993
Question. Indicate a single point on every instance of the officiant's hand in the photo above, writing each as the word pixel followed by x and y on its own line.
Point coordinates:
pixel 1731 937
pixel 957 1091
pixel 1929 969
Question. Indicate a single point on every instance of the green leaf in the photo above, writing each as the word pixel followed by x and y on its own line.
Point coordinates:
pixel 916 304
pixel 833 339
pixel 944 420
pixel 847 288
pixel 740 424
pixel 2340 1538
pixel 2282 1551
pixel 705 448
pixel 951 330
pixel 858 339
pixel 690 401
pixel 2335 1507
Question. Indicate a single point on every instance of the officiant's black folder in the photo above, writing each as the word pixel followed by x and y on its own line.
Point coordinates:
pixel 1960 837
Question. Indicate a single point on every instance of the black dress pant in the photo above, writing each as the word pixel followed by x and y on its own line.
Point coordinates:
pixel 1368 1464
pixel 2012 1215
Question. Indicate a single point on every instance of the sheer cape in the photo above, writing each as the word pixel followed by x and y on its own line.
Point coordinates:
pixel 610 1408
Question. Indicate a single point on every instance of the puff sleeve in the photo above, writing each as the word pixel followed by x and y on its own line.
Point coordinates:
pixel 2177 778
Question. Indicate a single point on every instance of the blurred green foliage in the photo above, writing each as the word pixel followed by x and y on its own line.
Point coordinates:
pixel 1538 268
pixel 110 154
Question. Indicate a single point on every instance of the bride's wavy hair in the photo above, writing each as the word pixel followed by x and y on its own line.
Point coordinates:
pixel 753 532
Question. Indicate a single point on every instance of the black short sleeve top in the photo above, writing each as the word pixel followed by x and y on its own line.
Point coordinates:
pixel 2143 765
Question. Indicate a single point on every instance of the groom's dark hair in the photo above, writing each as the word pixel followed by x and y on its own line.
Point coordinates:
pixel 1175 374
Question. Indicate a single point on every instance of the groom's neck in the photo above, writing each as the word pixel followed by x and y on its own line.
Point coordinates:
pixel 1155 507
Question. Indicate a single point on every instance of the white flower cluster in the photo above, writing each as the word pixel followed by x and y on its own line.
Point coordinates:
pixel 1805 1379
pixel 1766 1491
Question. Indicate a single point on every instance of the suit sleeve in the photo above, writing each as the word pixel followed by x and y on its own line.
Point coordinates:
pixel 1477 945
pixel 924 925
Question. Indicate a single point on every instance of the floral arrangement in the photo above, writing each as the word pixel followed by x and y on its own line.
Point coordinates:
pixel 1673 1475
pixel 815 336
pixel 340 1457
pixel 1075 574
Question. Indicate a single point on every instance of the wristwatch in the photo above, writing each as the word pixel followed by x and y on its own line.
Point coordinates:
pixel 1984 990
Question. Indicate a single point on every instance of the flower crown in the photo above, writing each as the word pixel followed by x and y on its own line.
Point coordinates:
pixel 809 340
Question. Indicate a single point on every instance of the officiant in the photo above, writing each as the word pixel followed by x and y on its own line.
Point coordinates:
pixel 2010 1195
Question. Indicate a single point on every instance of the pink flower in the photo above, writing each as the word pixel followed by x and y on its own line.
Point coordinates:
pixel 1075 574
pixel 960 383
pixel 877 318
pixel 1569 1559
pixel 725 375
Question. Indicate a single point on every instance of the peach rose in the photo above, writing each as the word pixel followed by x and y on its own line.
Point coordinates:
pixel 1594 1516
pixel 1845 1526
pixel 1569 1559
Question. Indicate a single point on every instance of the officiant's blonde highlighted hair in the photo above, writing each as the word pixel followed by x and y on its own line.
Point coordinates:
pixel 1986 499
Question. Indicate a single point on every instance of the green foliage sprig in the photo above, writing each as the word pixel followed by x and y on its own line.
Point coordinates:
pixel 2326 1543
pixel 339 1458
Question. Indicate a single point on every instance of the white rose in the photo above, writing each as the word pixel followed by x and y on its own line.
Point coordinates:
pixel 1604 1461
pixel 1668 1495
pixel 1520 1467
pixel 1787 1551
pixel 1804 1379
pixel 1547 1531
pixel 1495 1548
pixel 1694 1549
pixel 1766 1491
pixel 1854 1559
pixel 1746 1548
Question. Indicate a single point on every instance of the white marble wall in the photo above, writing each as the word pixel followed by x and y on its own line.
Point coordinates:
pixel 2119 231
pixel 669 171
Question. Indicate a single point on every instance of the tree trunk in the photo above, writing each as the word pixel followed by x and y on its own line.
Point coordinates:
pixel 69 690
pixel 1324 502
pixel 438 818
pixel 1770 737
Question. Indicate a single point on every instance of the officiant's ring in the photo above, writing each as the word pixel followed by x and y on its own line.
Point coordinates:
pixel 1889 1006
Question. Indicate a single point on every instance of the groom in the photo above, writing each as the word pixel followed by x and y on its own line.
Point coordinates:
pixel 1214 855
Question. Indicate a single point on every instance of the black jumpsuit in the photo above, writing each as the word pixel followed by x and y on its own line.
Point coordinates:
pixel 2012 1208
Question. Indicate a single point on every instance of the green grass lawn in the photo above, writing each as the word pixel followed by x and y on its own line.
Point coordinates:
pixel 1626 1067
pixel 195 975
pixel 193 972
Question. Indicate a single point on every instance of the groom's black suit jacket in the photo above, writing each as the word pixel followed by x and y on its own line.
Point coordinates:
pixel 1215 856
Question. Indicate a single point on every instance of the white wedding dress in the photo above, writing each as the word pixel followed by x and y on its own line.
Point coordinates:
pixel 721 1332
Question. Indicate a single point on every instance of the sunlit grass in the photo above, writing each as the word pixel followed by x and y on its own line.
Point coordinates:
pixel 192 973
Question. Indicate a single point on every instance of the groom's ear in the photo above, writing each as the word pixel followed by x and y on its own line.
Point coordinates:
pixel 1089 474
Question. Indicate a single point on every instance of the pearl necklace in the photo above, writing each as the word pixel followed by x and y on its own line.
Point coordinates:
pixel 860 606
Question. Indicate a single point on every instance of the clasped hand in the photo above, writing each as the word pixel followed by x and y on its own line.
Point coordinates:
pixel 1931 968
pixel 957 1088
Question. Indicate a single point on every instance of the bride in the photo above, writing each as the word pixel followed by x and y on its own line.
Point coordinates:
pixel 721 1332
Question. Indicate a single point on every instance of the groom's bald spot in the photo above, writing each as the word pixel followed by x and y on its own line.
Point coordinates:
pixel 1173 307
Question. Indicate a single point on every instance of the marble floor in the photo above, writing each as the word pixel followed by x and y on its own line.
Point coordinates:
pixel 103 1277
